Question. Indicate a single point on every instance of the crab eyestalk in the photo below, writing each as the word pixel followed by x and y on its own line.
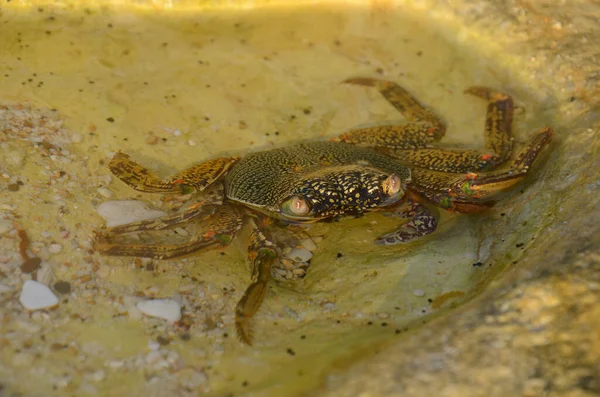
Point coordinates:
pixel 295 206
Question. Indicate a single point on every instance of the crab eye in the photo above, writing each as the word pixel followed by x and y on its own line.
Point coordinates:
pixel 392 185
pixel 295 205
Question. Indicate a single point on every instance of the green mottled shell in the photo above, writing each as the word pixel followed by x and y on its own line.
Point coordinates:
pixel 263 179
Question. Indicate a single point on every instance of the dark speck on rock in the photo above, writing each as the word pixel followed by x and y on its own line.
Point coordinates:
pixel 62 287
pixel 31 265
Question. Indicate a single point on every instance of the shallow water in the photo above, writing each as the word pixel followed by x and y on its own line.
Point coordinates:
pixel 172 89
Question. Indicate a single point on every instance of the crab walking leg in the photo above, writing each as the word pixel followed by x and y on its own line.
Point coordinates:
pixel 492 182
pixel 262 255
pixel 162 223
pixel 467 193
pixel 217 230
pixel 424 129
pixel 498 141
pixel 498 123
pixel 195 178
pixel 422 222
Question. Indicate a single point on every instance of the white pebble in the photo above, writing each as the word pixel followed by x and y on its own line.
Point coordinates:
pixel 116 364
pixel 300 255
pixel 126 211
pixel 153 345
pixel 167 309
pixel 308 244
pixel 35 296
pixel 419 292
pixel 55 248
pixel 104 192
pixel 5 226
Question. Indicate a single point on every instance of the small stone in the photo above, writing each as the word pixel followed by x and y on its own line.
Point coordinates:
pixel 55 248
pixel 152 345
pixel 152 140
pixel 104 192
pixel 299 272
pixel 13 187
pixel 45 274
pixel 115 364
pixel 154 357
pixel 99 375
pixel 181 231
pixel 103 271
pixel 197 379
pixel 5 226
pixel 5 288
pixel 86 388
pixel 23 359
pixel 28 327
pixel 35 296
pixel 308 244
pixel 419 292
pixel 167 309
pixel 31 265
pixel 130 303
pixel 126 211
pixel 76 138
pixel 300 255
pixel 62 287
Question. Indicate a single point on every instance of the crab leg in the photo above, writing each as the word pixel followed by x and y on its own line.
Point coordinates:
pixel 412 142
pixel 262 255
pixel 498 141
pixel 467 193
pixel 422 222
pixel 498 123
pixel 217 229
pixel 162 223
pixel 195 178
pixel 424 129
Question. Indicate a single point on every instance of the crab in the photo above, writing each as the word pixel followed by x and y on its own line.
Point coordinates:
pixel 392 168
